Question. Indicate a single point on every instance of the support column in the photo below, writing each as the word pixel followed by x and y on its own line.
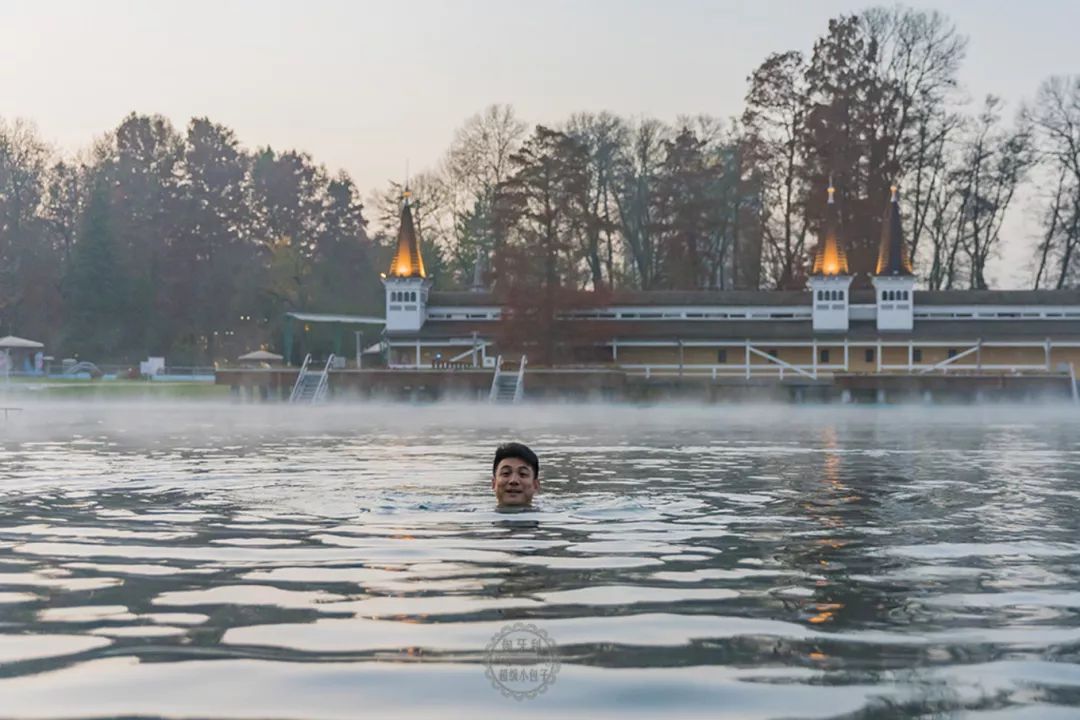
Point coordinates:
pixel 813 357
pixel 847 368
pixel 1046 349
pixel 418 354
pixel 287 340
pixel 910 356
pixel 879 348
pixel 746 347
pixel 615 349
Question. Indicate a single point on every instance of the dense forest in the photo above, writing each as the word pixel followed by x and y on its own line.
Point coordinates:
pixel 184 243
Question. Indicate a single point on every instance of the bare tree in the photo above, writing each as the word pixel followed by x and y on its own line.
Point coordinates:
pixel 993 162
pixel 476 165
pixel 603 136
pixel 775 116
pixel 918 56
pixel 639 167
pixel 1056 118
pixel 23 161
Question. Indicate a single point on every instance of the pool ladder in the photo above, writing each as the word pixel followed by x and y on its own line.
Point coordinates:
pixel 311 384
pixel 507 387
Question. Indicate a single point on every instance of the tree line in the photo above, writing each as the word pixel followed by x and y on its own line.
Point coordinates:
pixel 184 243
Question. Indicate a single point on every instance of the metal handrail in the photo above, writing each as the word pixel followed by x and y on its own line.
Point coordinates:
pixel 320 391
pixel 519 389
pixel 300 379
pixel 495 380
pixel 1075 388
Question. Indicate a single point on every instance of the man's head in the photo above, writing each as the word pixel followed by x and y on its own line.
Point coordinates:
pixel 515 474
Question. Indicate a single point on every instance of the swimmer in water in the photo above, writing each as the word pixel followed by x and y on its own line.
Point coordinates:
pixel 515 475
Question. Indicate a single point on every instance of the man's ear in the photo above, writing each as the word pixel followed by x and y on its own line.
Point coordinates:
pixel 493 482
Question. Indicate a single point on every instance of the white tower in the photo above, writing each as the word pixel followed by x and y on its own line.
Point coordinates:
pixel 407 284
pixel 829 280
pixel 894 282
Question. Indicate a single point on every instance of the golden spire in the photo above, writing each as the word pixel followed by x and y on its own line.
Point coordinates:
pixel 407 260
pixel 830 258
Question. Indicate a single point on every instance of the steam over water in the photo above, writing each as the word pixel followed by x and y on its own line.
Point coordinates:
pixel 346 562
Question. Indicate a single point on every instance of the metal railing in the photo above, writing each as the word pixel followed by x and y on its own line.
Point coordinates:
pixel 519 390
pixel 324 380
pixel 495 379
pixel 300 379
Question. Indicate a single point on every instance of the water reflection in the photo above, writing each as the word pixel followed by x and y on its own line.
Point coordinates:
pixel 802 564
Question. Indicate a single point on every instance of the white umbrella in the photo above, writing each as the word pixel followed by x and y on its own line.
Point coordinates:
pixel 12 343
pixel 261 355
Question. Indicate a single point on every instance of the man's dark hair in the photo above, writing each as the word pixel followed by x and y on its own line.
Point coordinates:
pixel 519 451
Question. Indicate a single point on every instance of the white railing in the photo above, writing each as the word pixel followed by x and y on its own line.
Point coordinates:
pixel 300 379
pixel 495 379
pixel 324 380
pixel 519 389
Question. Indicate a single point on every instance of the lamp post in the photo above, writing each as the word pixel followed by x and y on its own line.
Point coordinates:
pixel 359 349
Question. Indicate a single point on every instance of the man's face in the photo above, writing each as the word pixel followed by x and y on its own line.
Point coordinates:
pixel 514 482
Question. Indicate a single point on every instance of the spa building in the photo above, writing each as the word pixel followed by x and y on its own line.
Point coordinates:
pixel 828 329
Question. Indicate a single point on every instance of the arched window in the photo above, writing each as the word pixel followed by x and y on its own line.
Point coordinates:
pixel 842 293
pixel 412 296
pixel 905 294
pixel 393 296
pixel 889 295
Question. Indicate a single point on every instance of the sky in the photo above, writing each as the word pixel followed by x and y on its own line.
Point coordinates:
pixel 375 87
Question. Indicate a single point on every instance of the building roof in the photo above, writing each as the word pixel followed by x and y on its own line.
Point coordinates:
pixel 334 318
pixel 996 297
pixel 830 257
pixel 709 298
pixel 765 330
pixel 407 260
pixel 773 298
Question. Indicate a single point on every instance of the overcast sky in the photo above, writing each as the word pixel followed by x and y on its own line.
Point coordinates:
pixel 369 86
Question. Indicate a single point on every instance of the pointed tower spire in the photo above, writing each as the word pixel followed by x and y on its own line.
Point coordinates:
pixel 407 260
pixel 892 255
pixel 830 258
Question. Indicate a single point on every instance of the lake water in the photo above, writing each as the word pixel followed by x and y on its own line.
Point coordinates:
pixel 345 562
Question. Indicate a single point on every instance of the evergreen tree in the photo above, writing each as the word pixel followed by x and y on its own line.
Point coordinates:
pixel 96 286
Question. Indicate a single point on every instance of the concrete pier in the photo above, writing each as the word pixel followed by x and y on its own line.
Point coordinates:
pixel 613 384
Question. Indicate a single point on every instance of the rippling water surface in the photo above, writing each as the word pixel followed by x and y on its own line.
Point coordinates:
pixel 346 562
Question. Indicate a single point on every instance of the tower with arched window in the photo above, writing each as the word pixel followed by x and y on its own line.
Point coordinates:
pixel 407 284
pixel 894 281
pixel 830 280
